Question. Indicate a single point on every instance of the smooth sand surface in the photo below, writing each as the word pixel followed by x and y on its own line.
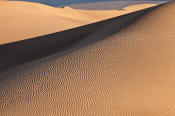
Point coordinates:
pixel 129 72
pixel 22 20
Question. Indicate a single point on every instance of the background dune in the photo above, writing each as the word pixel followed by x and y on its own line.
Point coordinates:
pixel 111 5
pixel 127 73
pixel 23 20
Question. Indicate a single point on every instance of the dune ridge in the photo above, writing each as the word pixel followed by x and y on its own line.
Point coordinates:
pixel 129 72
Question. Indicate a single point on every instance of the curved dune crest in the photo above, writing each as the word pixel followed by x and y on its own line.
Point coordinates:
pixel 128 73
pixel 22 20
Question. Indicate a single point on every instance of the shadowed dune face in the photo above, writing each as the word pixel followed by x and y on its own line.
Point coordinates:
pixel 23 20
pixel 128 73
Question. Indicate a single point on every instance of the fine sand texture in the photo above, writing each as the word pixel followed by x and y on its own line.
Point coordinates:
pixel 123 66
pixel 22 20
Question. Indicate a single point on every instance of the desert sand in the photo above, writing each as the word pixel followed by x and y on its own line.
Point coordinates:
pixel 23 20
pixel 127 71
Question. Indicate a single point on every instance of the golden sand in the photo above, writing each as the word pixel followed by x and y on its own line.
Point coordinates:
pixel 127 73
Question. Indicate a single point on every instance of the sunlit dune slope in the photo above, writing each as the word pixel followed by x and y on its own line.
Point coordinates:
pixel 22 20
pixel 128 73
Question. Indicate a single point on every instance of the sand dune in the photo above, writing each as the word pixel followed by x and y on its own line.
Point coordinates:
pixel 23 20
pixel 128 72
pixel 28 50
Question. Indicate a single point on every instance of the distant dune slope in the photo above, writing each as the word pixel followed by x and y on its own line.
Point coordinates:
pixel 111 5
pixel 91 2
pixel 127 73
pixel 23 20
